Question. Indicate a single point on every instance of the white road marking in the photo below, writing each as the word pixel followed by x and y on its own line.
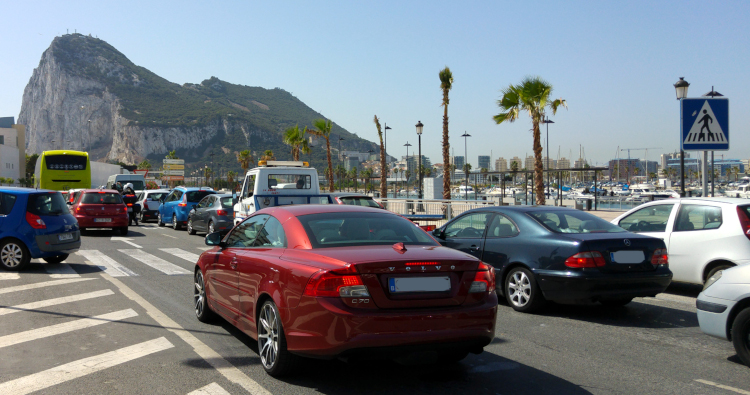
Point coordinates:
pixel 65 327
pixel 125 240
pixel 211 389
pixel 156 262
pixel 213 358
pixel 188 256
pixel 82 367
pixel 55 301
pixel 169 236
pixel 10 276
pixel 41 285
pixel 107 264
pixel 204 248
pixel 60 270
pixel 724 387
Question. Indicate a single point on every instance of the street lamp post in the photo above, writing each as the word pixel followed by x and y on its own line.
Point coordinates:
pixel 344 160
pixel 385 142
pixel 419 169
pixel 548 121
pixel 681 89
pixel 340 155
pixel 407 145
pixel 466 135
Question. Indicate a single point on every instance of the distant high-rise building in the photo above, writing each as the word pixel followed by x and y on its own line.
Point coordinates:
pixel 529 163
pixel 501 164
pixel 580 163
pixel 548 163
pixel 563 163
pixel 458 161
pixel 483 162
pixel 519 163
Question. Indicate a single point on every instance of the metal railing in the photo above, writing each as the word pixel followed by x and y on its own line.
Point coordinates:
pixel 436 212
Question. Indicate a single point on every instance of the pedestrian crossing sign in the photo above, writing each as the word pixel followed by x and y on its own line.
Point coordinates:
pixel 704 124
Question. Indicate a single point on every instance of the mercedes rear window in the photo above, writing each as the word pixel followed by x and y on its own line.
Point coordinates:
pixel 196 196
pixel 48 203
pixel 101 198
pixel 361 229
pixel 574 222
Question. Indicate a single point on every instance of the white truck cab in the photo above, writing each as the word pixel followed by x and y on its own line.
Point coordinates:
pixel 278 183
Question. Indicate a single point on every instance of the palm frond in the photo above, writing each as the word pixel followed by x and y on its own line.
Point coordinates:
pixel 446 79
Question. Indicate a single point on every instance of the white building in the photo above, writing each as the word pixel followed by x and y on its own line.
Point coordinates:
pixel 12 149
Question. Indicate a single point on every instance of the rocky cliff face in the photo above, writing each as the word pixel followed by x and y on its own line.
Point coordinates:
pixel 85 95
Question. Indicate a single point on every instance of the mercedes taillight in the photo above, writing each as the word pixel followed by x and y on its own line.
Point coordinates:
pixel 586 259
pixel 660 257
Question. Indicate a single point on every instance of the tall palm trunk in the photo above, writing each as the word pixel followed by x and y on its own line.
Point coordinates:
pixel 446 150
pixel 329 176
pixel 538 167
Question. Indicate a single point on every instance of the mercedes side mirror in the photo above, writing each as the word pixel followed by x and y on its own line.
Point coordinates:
pixel 213 239
pixel 438 233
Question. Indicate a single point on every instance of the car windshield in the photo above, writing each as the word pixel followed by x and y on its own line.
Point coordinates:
pixel 196 196
pixel 226 202
pixel 51 203
pixel 361 229
pixel 101 198
pixel 574 222
pixel 360 201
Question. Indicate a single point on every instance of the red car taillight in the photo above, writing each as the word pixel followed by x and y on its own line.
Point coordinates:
pixel 338 200
pixel 344 282
pixel 35 221
pixel 428 228
pixel 182 204
pixel 126 208
pixel 484 280
pixel 586 259
pixel 660 257
pixel 744 221
pixel 221 212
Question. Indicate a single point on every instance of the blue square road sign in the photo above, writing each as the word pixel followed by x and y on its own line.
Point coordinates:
pixel 704 124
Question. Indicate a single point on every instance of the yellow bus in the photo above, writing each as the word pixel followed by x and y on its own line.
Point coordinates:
pixel 62 170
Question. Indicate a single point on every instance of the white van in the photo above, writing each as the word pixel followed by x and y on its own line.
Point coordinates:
pixel 139 183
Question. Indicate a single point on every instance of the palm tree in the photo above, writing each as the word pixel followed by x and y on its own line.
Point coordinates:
pixel 268 155
pixel 295 138
pixel 366 174
pixel 245 158
pixel 172 155
pixel 652 175
pixel 230 178
pixel 340 171
pixel 383 170
pixel 207 172
pixel 323 129
pixel 353 174
pixel 665 172
pixel 446 83
pixel 533 96
pixel 145 165
pixel 407 174
pixel 484 173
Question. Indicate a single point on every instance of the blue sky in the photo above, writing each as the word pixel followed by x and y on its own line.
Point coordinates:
pixel 614 62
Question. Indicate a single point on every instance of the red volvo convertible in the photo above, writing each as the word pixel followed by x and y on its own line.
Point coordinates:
pixel 327 281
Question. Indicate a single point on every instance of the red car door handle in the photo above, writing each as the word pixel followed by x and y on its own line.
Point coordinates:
pixel 233 263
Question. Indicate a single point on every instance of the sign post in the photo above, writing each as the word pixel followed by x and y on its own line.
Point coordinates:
pixel 173 170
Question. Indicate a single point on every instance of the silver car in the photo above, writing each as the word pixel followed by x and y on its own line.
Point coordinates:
pixel 724 308
pixel 214 213
pixel 149 200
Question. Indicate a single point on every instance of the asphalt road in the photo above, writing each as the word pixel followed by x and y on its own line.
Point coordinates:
pixel 117 317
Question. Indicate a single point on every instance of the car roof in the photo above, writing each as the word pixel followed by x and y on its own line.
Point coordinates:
pixel 522 209
pixel 24 190
pixel 157 190
pixel 349 194
pixel 92 190
pixel 191 189
pixel 307 209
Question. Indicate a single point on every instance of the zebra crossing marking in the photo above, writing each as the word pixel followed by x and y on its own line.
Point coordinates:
pixel 211 389
pixel 60 270
pixel 10 276
pixel 41 285
pixel 188 256
pixel 47 331
pixel 155 262
pixel 55 301
pixel 73 370
pixel 107 264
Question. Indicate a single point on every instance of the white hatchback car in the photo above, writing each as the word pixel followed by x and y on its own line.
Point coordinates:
pixel 703 235
pixel 724 309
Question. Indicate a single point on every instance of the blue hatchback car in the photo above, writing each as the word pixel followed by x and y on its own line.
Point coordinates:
pixel 35 223
pixel 176 206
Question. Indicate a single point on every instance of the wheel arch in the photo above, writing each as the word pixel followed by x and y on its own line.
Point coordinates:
pixel 713 264
pixel 739 307
pixel 506 270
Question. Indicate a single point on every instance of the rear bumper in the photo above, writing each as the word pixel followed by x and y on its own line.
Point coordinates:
pixel 117 221
pixel 150 213
pixel 50 245
pixel 334 329
pixel 594 285
pixel 223 225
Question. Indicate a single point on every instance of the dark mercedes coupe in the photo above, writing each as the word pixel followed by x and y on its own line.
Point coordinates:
pixel 559 254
